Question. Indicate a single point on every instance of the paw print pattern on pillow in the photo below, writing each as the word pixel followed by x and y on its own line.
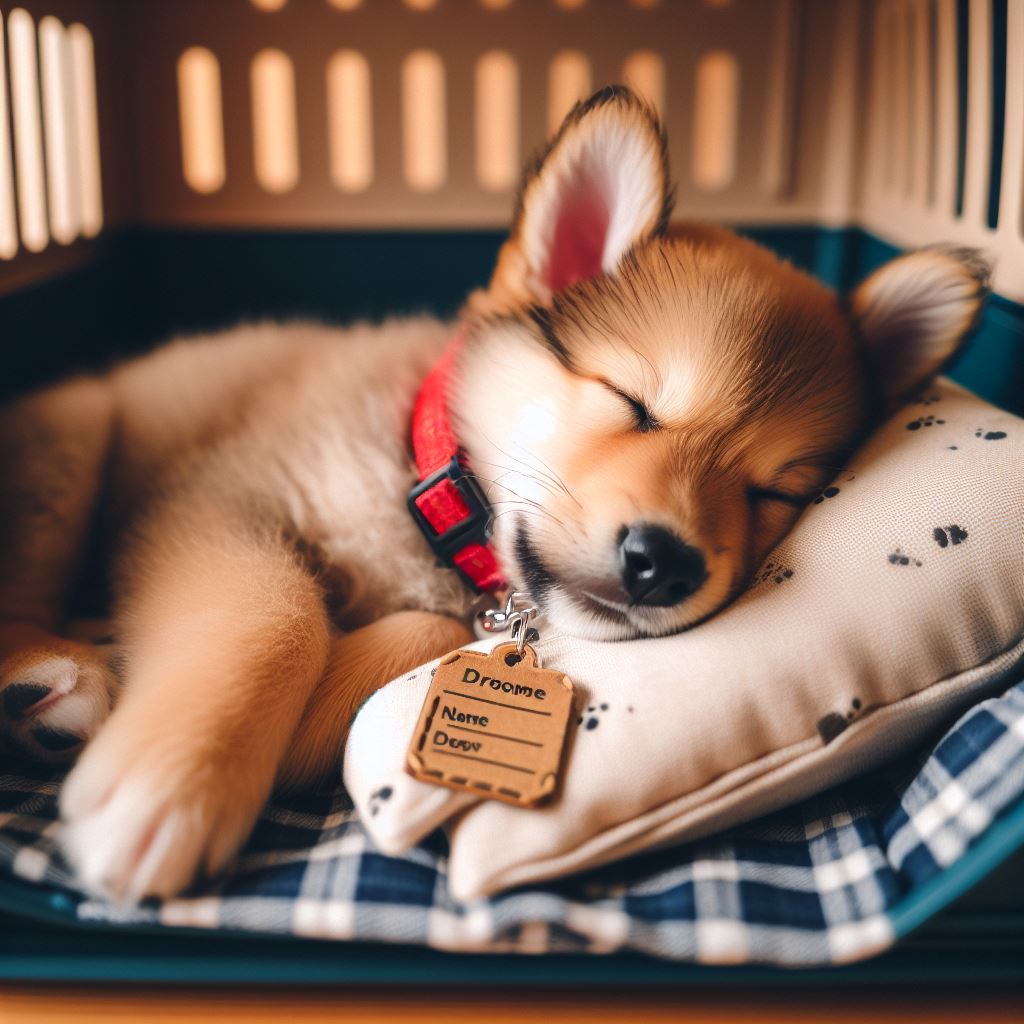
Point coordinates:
pixel 899 557
pixel 832 491
pixel 946 535
pixel 378 797
pixel 591 719
pixel 923 421
pixel 832 724
pixel 777 572
pixel 990 435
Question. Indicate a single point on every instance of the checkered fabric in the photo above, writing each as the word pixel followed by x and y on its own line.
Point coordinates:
pixel 815 884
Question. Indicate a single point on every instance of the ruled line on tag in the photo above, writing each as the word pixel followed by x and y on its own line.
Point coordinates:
pixel 494 735
pixel 484 760
pixel 497 703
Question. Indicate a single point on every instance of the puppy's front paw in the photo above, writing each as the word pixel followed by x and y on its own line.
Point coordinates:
pixel 146 814
pixel 53 699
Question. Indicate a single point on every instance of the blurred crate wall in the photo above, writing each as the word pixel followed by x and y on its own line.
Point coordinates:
pixel 904 118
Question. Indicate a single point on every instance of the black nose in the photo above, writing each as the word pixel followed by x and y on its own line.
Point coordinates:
pixel 658 569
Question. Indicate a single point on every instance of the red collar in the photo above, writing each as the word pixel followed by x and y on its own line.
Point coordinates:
pixel 448 504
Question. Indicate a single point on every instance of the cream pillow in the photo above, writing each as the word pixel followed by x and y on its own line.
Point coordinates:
pixel 897 599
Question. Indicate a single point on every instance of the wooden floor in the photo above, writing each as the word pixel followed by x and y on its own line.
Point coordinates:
pixel 36 1004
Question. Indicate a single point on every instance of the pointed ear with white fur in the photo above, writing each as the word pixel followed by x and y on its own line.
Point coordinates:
pixel 915 312
pixel 600 187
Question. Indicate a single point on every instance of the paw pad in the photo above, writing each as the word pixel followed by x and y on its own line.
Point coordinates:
pixel 51 703
pixel 20 698
pixel 56 740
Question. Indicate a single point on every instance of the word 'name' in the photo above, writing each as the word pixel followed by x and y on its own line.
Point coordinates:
pixel 473 677
pixel 454 715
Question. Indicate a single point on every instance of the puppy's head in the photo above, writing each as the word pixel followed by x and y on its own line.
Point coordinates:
pixel 648 411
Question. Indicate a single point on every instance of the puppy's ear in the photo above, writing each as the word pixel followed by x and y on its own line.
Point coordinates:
pixel 914 313
pixel 599 187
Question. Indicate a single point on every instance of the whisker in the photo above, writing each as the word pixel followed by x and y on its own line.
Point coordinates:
pixel 537 480
pixel 533 475
pixel 551 475
pixel 519 500
pixel 510 472
pixel 519 496
pixel 559 481
pixel 527 512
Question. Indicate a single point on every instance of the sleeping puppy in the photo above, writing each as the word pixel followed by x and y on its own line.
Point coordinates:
pixel 645 411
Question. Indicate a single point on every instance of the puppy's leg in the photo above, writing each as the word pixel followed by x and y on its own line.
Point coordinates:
pixel 225 636
pixel 361 663
pixel 54 694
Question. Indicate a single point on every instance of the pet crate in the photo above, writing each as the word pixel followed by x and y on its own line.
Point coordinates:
pixel 182 164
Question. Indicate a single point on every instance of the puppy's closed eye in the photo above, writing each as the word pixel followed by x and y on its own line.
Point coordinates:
pixel 644 421
pixel 759 494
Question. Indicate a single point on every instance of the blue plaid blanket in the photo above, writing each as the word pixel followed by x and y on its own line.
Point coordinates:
pixel 815 884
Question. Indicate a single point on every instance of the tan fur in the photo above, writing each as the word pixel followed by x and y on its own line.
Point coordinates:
pixel 226 639
pixel 359 662
pixel 249 490
pixel 52 458
pixel 236 468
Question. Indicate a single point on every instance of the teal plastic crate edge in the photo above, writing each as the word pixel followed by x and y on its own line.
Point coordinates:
pixel 1002 839
pixel 150 284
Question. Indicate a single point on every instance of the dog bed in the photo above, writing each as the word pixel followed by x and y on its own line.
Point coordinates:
pixel 897 600
pixel 835 878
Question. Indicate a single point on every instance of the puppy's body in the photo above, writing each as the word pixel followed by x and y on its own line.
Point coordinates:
pixel 304 429
pixel 251 489
pixel 646 414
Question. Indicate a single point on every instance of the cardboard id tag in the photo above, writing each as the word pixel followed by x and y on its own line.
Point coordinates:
pixel 493 725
